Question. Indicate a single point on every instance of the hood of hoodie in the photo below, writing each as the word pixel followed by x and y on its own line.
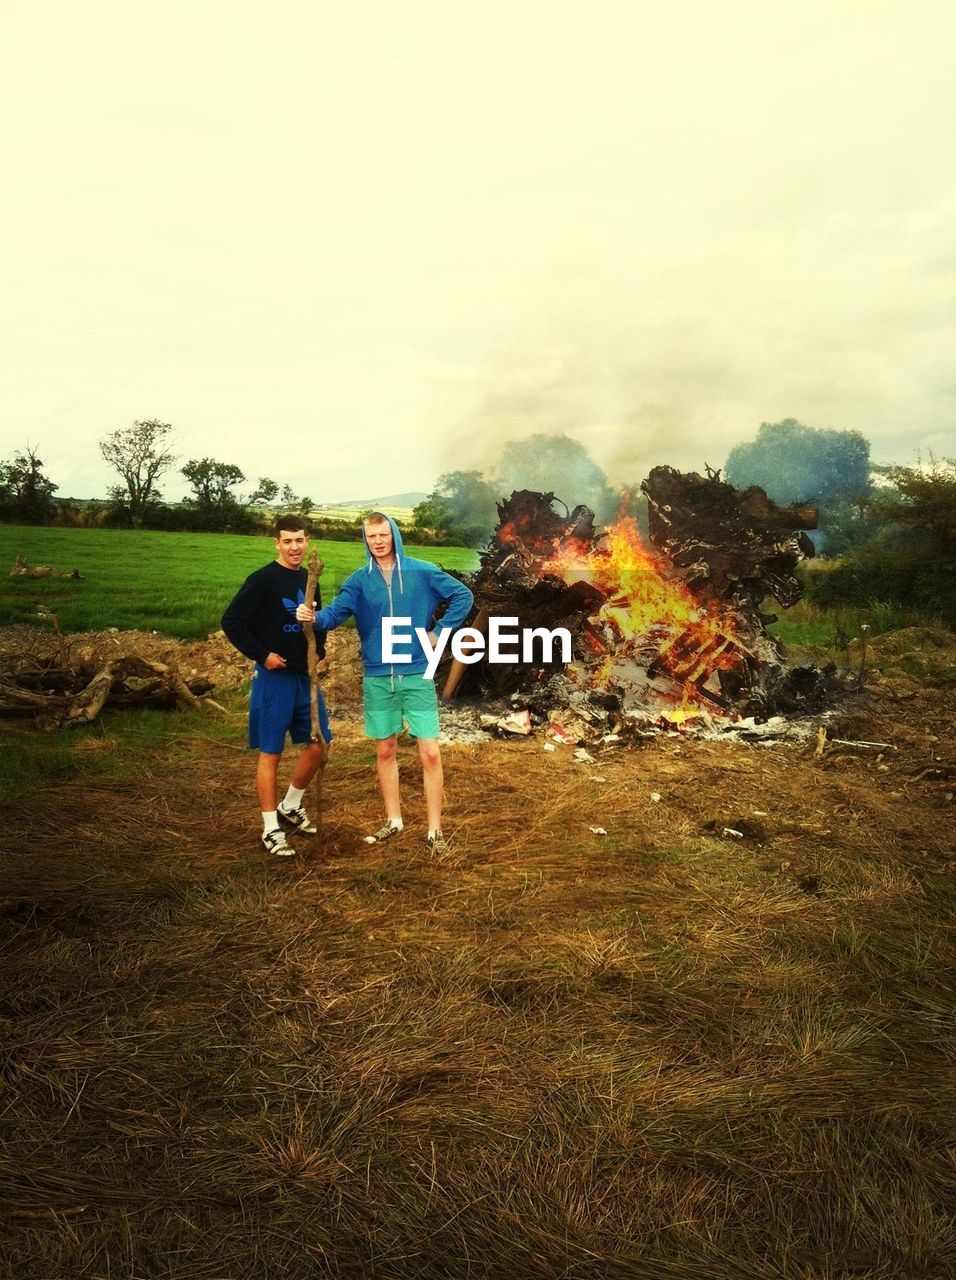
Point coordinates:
pixel 398 547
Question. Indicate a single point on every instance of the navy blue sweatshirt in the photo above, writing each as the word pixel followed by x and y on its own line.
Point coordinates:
pixel 261 618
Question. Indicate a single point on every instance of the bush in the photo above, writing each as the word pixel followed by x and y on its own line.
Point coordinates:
pixel 844 527
pixel 908 556
pixel 885 569
pixel 192 518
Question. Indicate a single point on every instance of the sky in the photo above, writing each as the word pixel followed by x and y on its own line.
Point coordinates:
pixel 354 247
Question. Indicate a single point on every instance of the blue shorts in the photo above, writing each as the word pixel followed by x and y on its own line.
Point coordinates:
pixel 279 704
pixel 391 701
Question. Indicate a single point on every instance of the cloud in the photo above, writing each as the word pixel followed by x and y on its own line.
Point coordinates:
pixel 362 247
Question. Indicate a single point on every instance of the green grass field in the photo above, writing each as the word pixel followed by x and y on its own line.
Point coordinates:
pixel 179 583
pixel 830 628
pixel 176 583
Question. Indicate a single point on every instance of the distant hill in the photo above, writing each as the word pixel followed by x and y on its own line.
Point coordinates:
pixel 391 500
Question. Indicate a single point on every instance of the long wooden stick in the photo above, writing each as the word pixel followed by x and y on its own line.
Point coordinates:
pixel 315 567
pixel 458 668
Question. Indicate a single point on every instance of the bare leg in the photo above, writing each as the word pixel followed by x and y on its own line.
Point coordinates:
pixel 434 776
pixel 386 763
pixel 266 771
pixel 314 757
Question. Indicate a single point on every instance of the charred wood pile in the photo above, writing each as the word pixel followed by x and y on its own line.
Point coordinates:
pixel 729 547
pixel 666 632
pixel 55 692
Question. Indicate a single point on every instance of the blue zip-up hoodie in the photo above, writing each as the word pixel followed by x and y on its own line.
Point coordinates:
pixel 416 590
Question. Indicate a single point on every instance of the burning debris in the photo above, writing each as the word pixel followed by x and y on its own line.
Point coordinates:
pixel 728 547
pixel 665 634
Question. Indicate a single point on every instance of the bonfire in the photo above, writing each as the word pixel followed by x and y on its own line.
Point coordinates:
pixel 667 630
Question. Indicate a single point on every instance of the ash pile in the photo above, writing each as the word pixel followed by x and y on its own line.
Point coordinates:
pixel 667 633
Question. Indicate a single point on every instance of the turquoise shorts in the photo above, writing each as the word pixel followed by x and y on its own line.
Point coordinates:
pixel 392 700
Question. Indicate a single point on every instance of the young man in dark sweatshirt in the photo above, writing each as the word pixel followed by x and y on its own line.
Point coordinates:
pixel 261 622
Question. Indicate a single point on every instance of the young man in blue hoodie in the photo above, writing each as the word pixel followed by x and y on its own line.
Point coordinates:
pixel 394 585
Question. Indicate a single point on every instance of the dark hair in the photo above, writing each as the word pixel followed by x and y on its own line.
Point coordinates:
pixel 291 524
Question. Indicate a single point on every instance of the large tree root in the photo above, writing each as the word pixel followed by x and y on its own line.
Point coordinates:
pixel 58 696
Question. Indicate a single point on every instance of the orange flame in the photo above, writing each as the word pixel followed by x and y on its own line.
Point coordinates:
pixel 640 599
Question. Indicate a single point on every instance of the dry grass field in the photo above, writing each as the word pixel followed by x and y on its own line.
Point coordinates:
pixel 661 1052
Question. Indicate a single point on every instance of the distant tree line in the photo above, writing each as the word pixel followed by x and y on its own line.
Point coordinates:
pixel 141 454
pixel 892 542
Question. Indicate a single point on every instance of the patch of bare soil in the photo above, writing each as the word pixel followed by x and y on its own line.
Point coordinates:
pixel 685 1010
